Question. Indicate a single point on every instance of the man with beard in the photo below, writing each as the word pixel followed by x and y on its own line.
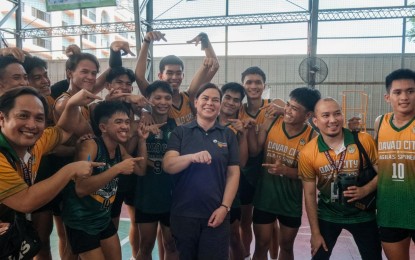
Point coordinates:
pixel 323 162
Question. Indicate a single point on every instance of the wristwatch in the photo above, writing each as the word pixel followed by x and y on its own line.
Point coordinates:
pixel 226 207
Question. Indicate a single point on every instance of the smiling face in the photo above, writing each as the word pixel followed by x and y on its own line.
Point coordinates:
pixel 24 124
pixel 117 127
pixel 208 104
pixel 173 74
pixel 328 118
pixel 13 75
pixel 401 96
pixel 84 76
pixel 254 85
pixel 295 113
pixel 121 84
pixel 162 102
pixel 231 103
pixel 38 78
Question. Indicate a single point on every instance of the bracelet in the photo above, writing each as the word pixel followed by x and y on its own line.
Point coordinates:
pixel 226 207
pixel 147 41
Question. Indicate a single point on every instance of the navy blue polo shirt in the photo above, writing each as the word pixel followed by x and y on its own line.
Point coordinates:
pixel 198 190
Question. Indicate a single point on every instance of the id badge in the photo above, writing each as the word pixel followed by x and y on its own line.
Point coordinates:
pixel 334 192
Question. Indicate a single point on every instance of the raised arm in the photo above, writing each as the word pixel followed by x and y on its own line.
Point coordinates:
pixel 18 53
pixel 207 69
pixel 141 67
pixel 70 119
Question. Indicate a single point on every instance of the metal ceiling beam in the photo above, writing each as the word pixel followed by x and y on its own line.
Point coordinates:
pixel 325 15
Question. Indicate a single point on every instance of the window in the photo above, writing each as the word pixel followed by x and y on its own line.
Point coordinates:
pixel 42 43
pixel 91 38
pixel 90 14
pixel 41 15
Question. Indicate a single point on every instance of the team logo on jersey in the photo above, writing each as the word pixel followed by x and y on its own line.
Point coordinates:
pixel 220 144
pixel 302 141
pixel 413 130
pixel 351 149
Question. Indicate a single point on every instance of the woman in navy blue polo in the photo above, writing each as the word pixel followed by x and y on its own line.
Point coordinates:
pixel 203 158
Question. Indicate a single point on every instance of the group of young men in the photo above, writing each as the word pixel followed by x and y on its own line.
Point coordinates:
pixel 80 160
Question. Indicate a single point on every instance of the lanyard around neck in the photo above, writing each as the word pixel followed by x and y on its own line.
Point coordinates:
pixel 336 169
pixel 28 177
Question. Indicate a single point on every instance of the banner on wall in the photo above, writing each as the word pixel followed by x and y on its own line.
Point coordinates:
pixel 62 5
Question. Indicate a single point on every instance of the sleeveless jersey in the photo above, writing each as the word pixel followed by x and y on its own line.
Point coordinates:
pixel 279 194
pixel 49 119
pixel 85 114
pixel 184 113
pixel 153 190
pixel 92 213
pixel 396 174
pixel 84 110
pixel 313 164
pixel 253 165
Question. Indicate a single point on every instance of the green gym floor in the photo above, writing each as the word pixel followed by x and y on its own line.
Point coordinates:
pixel 345 248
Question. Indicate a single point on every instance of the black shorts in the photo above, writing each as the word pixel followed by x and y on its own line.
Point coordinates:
pixel 263 217
pixel 235 214
pixel 81 241
pixel 142 217
pixel 392 235
pixel 246 191
pixel 126 197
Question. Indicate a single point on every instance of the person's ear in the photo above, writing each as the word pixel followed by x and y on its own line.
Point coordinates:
pixel 309 114
pixel 387 97
pixel 102 127
pixel 314 120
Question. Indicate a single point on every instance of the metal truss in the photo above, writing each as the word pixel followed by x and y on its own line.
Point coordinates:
pixel 324 15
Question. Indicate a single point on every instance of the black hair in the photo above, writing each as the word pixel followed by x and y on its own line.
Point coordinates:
pixel 75 59
pixel 398 74
pixel 8 99
pixel 208 86
pixel 253 70
pixel 158 84
pixel 307 97
pixel 6 61
pixel 104 110
pixel 119 71
pixel 31 63
pixel 170 60
pixel 235 87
